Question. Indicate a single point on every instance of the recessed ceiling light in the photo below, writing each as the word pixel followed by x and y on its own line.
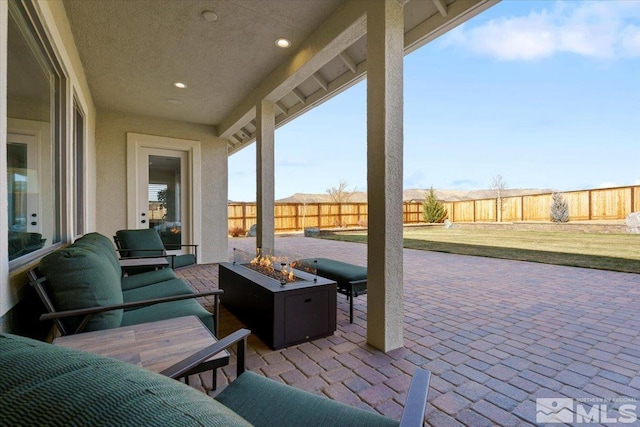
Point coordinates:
pixel 180 85
pixel 209 15
pixel 173 101
pixel 283 43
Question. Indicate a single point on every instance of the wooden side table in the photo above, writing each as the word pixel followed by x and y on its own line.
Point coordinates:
pixel 154 346
pixel 155 262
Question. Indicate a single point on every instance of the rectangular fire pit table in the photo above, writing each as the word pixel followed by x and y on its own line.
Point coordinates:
pixel 280 315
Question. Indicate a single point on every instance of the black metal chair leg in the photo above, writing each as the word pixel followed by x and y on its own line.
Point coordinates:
pixel 351 305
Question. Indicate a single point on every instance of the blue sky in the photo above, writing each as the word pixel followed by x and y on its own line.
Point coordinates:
pixel 544 93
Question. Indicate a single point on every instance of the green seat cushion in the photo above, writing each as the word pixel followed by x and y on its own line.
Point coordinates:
pixel 46 385
pixel 145 279
pixel 182 260
pixel 167 288
pixel 142 240
pixel 80 278
pixel 101 245
pixel 339 271
pixel 265 402
pixel 168 310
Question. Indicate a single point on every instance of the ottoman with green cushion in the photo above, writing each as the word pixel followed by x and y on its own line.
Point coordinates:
pixel 46 385
pixel 351 279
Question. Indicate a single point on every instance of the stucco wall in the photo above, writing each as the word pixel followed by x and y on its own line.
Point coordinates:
pixel 111 171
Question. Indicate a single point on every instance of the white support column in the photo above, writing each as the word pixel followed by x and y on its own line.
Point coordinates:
pixel 385 44
pixel 265 197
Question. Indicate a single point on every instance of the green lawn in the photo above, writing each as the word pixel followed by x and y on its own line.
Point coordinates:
pixel 617 252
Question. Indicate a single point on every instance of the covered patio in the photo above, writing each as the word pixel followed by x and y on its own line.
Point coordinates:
pixel 93 93
pixel 496 334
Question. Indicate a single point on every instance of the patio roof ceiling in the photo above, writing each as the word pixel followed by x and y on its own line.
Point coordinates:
pixel 133 52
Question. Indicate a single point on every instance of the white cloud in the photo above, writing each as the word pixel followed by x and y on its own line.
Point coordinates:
pixel 596 29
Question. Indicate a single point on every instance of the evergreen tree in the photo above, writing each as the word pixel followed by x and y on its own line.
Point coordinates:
pixel 433 210
pixel 559 208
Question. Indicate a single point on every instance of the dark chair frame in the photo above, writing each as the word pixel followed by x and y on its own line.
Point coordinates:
pixel 123 252
pixel 415 404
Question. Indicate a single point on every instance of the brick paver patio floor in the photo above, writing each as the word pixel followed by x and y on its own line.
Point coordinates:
pixel 496 335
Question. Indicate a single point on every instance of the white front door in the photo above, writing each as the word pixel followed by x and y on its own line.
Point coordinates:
pixel 23 184
pixel 164 191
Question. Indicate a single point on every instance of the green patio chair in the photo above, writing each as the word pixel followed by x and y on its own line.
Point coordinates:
pixel 147 243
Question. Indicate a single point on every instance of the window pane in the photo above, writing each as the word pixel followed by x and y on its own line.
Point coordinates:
pixel 164 199
pixel 33 210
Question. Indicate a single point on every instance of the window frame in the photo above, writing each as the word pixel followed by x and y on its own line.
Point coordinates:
pixel 25 15
pixel 79 168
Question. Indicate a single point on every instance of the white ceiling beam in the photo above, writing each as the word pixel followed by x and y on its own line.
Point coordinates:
pixel 343 28
pixel 282 108
pixel 320 80
pixel 340 84
pixel 442 7
pixel 299 95
pixel 348 61
pixel 246 132
pixel 435 26
pixel 429 30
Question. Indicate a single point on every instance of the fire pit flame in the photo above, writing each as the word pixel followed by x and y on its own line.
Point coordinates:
pixel 265 264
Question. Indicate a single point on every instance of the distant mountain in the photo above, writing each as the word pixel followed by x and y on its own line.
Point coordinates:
pixel 418 195
pixel 358 196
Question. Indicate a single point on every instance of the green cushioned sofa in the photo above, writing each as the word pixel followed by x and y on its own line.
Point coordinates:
pixel 82 288
pixel 46 385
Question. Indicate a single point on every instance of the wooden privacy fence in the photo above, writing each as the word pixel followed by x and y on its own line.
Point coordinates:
pixel 598 204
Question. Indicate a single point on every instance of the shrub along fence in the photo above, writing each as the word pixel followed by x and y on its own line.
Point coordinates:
pixel 597 204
